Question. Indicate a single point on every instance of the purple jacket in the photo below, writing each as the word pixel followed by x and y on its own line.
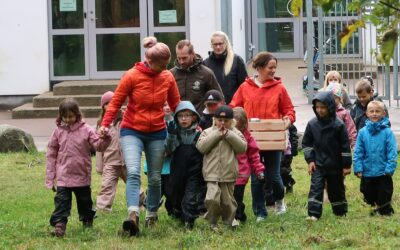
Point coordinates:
pixel 344 115
pixel 68 154
pixel 249 162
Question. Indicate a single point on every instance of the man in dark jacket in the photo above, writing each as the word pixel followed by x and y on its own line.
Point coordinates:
pixel 193 78
pixel 327 152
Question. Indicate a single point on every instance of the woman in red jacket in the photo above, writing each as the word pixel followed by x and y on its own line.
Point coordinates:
pixel 148 85
pixel 264 96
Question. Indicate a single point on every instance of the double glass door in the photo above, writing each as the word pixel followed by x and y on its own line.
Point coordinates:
pixel 101 39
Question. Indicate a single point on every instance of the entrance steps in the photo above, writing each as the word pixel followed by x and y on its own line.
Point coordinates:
pixel 86 93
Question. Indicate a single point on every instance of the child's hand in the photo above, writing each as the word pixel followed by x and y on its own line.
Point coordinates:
pixel 223 131
pixel 260 176
pixel 103 132
pixel 359 175
pixel 311 168
pixel 54 188
pixel 171 128
pixel 346 171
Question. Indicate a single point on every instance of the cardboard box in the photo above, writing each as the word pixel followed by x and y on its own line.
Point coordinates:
pixel 271 145
pixel 267 125
pixel 269 135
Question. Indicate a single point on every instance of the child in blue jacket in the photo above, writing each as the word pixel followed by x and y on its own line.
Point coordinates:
pixel 375 159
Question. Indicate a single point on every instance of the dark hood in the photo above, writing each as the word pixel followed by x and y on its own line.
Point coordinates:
pixel 326 97
pixel 185 105
pixel 198 60
pixel 221 58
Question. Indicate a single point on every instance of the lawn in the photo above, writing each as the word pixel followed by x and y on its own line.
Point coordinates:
pixel 25 208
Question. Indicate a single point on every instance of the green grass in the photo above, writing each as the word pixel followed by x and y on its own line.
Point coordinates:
pixel 26 205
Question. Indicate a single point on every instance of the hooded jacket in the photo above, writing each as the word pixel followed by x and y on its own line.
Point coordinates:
pixel 325 140
pixel 230 82
pixel 219 162
pixel 68 154
pixel 376 149
pixel 147 91
pixel 344 115
pixel 249 162
pixel 187 136
pixel 195 81
pixel 271 101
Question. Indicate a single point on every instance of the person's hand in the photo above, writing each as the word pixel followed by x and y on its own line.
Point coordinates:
pixel 260 177
pixel 287 122
pixel 54 187
pixel 171 128
pixel 311 168
pixel 346 171
pixel 223 131
pixel 359 175
pixel 103 132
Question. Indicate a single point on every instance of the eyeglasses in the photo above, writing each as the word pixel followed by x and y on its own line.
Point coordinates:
pixel 218 44
pixel 184 116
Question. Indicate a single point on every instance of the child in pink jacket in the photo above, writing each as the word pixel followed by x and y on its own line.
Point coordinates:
pixel 249 162
pixel 69 167
pixel 110 163
pixel 342 113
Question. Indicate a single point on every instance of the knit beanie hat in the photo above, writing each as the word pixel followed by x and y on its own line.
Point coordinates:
pixel 336 89
pixel 106 97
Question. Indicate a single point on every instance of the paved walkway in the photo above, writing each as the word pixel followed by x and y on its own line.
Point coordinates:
pixel 41 129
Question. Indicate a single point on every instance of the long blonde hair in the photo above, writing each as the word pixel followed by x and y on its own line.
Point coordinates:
pixel 329 75
pixel 229 51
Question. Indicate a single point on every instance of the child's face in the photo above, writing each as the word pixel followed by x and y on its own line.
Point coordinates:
pixel 321 109
pixel 223 122
pixel 212 106
pixel 186 118
pixel 166 109
pixel 375 113
pixel 333 79
pixel 364 97
pixel 70 118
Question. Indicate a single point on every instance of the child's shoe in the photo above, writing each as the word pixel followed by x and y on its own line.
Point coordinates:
pixel 280 207
pixel 260 219
pixel 87 223
pixel 131 225
pixel 214 227
pixel 235 224
pixel 311 218
pixel 189 225
pixel 59 229
pixel 150 221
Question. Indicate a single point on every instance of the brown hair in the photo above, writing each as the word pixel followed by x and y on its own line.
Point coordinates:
pixel 68 105
pixel 155 51
pixel 117 118
pixel 363 85
pixel 240 115
pixel 262 59
pixel 183 43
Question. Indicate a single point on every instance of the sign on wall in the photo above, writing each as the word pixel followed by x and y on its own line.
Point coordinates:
pixel 67 5
pixel 167 16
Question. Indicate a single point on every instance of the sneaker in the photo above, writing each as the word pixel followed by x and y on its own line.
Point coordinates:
pixel 189 225
pixel 59 229
pixel 311 218
pixel 87 224
pixel 214 227
pixel 131 225
pixel 150 221
pixel 235 224
pixel 260 219
pixel 280 207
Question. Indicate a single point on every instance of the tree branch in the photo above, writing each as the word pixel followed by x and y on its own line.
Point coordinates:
pixel 389 5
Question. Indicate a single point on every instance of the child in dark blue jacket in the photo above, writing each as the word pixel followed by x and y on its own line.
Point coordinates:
pixel 375 159
pixel 327 152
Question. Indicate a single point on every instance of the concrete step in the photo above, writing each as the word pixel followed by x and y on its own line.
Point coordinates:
pixel 48 99
pixel 90 87
pixel 27 111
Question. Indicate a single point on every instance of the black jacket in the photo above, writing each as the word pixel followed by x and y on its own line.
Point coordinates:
pixel 231 82
pixel 325 141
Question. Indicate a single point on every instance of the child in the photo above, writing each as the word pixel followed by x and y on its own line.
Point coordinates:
pixel 68 166
pixel 375 159
pixel 220 144
pixel 165 171
pixel 248 162
pixel 286 161
pixel 110 163
pixel 212 100
pixel 327 152
pixel 185 177
pixel 364 93
pixel 335 77
pixel 342 113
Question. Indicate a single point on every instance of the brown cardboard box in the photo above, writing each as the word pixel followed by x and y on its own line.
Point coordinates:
pixel 271 145
pixel 267 125
pixel 269 135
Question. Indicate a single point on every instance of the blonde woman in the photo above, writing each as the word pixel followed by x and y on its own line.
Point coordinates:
pixel 228 67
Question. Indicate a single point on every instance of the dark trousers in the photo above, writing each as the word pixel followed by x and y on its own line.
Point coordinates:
pixel 336 193
pixel 63 200
pixel 238 194
pixel 378 191
pixel 164 188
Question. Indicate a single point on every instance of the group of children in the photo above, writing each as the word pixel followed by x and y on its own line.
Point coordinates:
pixel 209 158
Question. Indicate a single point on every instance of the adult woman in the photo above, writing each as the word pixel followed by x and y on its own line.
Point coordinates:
pixel 148 85
pixel 264 96
pixel 228 67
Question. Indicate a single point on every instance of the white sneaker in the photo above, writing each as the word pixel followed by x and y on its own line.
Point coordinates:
pixel 235 223
pixel 280 207
pixel 311 218
pixel 260 219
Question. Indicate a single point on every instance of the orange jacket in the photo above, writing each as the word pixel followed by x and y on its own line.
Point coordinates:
pixel 271 101
pixel 147 91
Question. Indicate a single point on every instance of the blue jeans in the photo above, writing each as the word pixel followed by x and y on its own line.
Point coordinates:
pixel 132 147
pixel 272 163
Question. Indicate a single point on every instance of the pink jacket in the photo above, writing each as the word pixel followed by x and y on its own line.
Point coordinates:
pixel 344 115
pixel 68 154
pixel 250 161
